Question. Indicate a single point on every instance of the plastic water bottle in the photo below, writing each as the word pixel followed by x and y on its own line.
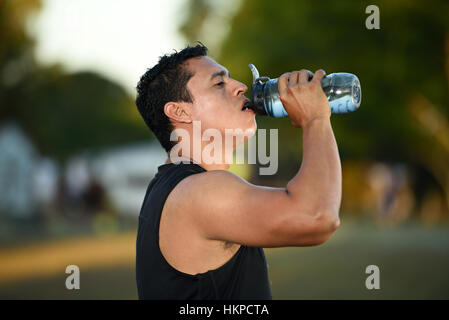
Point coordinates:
pixel 342 90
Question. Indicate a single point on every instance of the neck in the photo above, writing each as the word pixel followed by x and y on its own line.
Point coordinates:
pixel 205 166
pixel 209 160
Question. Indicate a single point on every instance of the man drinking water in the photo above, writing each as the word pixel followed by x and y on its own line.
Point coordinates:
pixel 202 228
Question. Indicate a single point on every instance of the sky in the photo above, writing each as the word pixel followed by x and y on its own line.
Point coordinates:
pixel 119 39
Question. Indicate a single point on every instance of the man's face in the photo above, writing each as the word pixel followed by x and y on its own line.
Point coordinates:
pixel 217 98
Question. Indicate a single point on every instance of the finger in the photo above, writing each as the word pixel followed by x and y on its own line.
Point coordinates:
pixel 294 78
pixel 304 76
pixel 319 75
pixel 283 82
pixel 309 75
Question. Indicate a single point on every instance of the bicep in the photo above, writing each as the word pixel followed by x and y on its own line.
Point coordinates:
pixel 226 207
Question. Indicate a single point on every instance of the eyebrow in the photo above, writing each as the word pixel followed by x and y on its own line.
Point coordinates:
pixel 220 73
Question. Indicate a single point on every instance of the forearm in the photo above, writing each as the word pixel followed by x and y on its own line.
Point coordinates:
pixel 317 186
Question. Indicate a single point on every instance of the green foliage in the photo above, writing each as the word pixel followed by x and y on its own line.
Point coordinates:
pixel 70 113
pixel 198 10
pixel 405 57
pixel 61 113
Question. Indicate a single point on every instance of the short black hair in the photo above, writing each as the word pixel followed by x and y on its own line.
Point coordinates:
pixel 165 82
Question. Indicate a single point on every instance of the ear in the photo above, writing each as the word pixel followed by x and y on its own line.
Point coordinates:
pixel 178 111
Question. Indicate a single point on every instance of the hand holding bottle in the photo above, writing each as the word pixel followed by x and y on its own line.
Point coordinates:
pixel 303 100
pixel 342 90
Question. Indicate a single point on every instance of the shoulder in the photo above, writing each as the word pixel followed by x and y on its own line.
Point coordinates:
pixel 209 182
pixel 205 190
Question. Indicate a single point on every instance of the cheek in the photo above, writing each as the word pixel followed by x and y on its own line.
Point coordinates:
pixel 219 120
pixel 213 113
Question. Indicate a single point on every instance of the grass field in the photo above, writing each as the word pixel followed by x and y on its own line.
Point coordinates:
pixel 413 262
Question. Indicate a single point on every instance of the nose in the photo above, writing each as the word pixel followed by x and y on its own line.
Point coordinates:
pixel 240 88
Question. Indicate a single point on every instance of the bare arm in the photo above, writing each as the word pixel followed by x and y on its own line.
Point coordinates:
pixel 319 179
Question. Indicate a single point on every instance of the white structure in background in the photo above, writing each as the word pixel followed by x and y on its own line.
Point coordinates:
pixel 17 160
pixel 29 183
pixel 77 177
pixel 26 180
pixel 126 172
pixel 45 181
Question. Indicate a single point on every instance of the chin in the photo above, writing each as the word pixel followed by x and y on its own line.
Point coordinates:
pixel 248 126
pixel 249 131
pixel 253 126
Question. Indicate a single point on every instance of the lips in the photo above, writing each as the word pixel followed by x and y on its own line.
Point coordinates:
pixel 245 105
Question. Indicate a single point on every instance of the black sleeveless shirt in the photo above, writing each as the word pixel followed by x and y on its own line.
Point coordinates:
pixel 244 276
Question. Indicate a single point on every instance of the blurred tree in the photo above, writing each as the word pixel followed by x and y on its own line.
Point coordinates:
pixel 403 69
pixel 197 12
pixel 16 57
pixel 208 21
pixel 66 113
pixel 62 113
